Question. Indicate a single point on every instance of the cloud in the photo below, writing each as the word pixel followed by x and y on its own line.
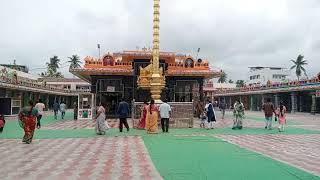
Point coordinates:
pixel 232 34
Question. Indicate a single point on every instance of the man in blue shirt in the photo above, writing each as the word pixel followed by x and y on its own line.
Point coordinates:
pixel 56 108
pixel 123 113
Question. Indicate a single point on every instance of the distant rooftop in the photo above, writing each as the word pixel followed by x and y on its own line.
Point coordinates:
pixel 266 67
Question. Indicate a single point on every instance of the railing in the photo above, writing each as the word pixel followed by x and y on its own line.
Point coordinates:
pixel 258 87
pixel 37 85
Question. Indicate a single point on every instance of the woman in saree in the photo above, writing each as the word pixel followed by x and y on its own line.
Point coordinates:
pixel 28 120
pixel 152 118
pixel 142 122
pixel 100 120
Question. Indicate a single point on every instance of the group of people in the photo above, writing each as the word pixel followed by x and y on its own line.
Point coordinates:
pixel 279 112
pixel 150 115
pixel 102 126
pixel 207 115
pixel 59 107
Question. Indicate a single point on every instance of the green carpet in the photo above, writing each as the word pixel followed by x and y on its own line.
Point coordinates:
pixel 211 158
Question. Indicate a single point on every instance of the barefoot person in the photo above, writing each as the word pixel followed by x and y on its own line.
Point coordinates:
pixel 152 118
pixel 123 112
pixel 40 106
pixel 142 122
pixel 211 116
pixel 100 120
pixel 238 114
pixel 281 114
pixel 165 113
pixel 2 122
pixel 63 108
pixel 268 109
pixel 28 117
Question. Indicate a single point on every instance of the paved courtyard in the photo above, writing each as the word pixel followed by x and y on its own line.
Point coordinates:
pixel 67 149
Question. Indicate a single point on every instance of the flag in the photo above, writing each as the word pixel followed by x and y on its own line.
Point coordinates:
pixel 198 49
pixel 98 46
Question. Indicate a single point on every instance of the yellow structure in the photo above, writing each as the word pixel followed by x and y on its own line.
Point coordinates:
pixel 151 77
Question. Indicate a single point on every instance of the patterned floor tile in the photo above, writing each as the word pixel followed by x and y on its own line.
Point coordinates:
pixel 80 124
pixel 80 158
pixel 301 151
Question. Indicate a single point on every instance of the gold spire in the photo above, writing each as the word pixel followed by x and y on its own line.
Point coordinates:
pixel 151 77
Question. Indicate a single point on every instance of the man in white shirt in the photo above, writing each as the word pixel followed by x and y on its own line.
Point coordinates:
pixel 40 106
pixel 165 113
pixel 63 107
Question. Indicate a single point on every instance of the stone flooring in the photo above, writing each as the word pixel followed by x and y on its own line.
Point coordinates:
pixel 79 158
pixel 302 151
pixel 81 124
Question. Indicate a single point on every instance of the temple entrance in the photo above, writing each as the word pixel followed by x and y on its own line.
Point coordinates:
pixel 111 100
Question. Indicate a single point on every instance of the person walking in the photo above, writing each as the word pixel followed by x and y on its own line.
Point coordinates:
pixel 100 119
pixel 281 114
pixel 222 107
pixel 28 117
pixel 123 112
pixel 63 107
pixel 75 111
pixel 56 108
pixel 238 113
pixel 211 115
pixel 152 118
pixel 142 122
pixel 165 113
pixel 40 106
pixel 2 123
pixel 269 110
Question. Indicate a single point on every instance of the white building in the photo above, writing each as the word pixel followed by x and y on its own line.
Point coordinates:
pixel 261 75
pixel 69 84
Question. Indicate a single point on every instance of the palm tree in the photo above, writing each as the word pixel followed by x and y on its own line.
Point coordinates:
pixel 54 63
pixel 74 61
pixel 230 81
pixel 298 65
pixel 240 83
pixel 223 78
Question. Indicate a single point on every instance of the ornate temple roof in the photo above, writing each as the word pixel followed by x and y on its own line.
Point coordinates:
pixel 121 63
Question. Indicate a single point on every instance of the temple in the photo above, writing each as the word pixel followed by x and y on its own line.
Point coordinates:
pixel 116 75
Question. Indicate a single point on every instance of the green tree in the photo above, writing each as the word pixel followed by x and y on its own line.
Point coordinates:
pixel 52 68
pixel 230 81
pixel 240 83
pixel 222 78
pixel 298 65
pixel 54 63
pixel 74 61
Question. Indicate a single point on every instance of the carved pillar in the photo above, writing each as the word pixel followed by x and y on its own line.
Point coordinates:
pixel 251 102
pixel 276 100
pixel 313 104
pixel 293 102
pixel 300 103
pixel 201 94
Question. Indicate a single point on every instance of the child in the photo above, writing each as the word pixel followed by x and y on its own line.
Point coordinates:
pixel 281 114
pixel 2 122
pixel 203 119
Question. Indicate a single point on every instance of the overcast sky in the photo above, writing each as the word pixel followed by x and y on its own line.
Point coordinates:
pixel 232 34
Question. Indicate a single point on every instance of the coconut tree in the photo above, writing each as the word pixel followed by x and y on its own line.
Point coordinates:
pixel 222 78
pixel 298 65
pixel 74 61
pixel 54 63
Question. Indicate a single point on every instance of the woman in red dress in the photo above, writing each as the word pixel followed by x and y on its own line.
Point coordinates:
pixel 142 122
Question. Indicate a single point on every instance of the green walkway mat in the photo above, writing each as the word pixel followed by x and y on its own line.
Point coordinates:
pixel 211 158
